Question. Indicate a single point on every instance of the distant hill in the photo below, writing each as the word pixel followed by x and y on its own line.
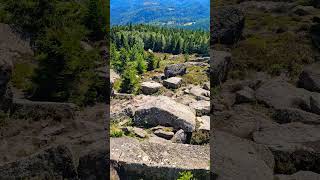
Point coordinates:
pixel 189 14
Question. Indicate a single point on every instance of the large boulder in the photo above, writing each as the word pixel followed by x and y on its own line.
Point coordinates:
pixel 227 24
pixel 241 121
pixel 295 146
pixel 175 70
pixel 173 82
pixel 288 115
pixel 93 164
pixel 310 77
pixel 278 93
pixel 220 66
pixel 199 93
pixel 52 163
pixel 236 158
pixel 143 160
pixel 150 87
pixel 38 110
pixel 165 111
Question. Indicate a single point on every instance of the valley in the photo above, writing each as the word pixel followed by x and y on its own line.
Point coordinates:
pixel 187 14
pixel 159 109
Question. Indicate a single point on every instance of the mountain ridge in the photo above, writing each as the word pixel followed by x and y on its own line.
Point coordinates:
pixel 192 14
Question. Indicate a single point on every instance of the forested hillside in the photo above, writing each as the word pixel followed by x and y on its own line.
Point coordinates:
pixel 133 46
pixel 58 32
pixel 187 14
pixel 160 101
pixel 168 40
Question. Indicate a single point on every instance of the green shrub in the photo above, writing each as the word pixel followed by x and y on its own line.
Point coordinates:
pixel 272 54
pixel 185 175
pixel 196 75
pixel 115 131
pixel 21 76
pixel 186 57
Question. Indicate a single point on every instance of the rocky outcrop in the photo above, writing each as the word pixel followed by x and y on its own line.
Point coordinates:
pixel 52 163
pixel 175 70
pixel 42 110
pixel 227 24
pixel 295 146
pixel 220 66
pixel 134 159
pixel 236 158
pixel 94 164
pixel 163 110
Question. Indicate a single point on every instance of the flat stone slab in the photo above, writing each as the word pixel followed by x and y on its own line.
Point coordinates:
pixel 295 146
pixel 201 107
pixel 162 110
pixel 173 82
pixel 159 160
pixel 278 93
pixel 237 158
pixel 42 110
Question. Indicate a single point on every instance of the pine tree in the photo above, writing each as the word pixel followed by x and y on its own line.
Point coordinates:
pixel 130 80
pixel 151 59
pixel 141 64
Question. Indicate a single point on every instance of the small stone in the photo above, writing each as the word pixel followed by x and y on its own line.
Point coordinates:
pixel 164 134
pixel 179 137
pixel 139 132
pixel 206 86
